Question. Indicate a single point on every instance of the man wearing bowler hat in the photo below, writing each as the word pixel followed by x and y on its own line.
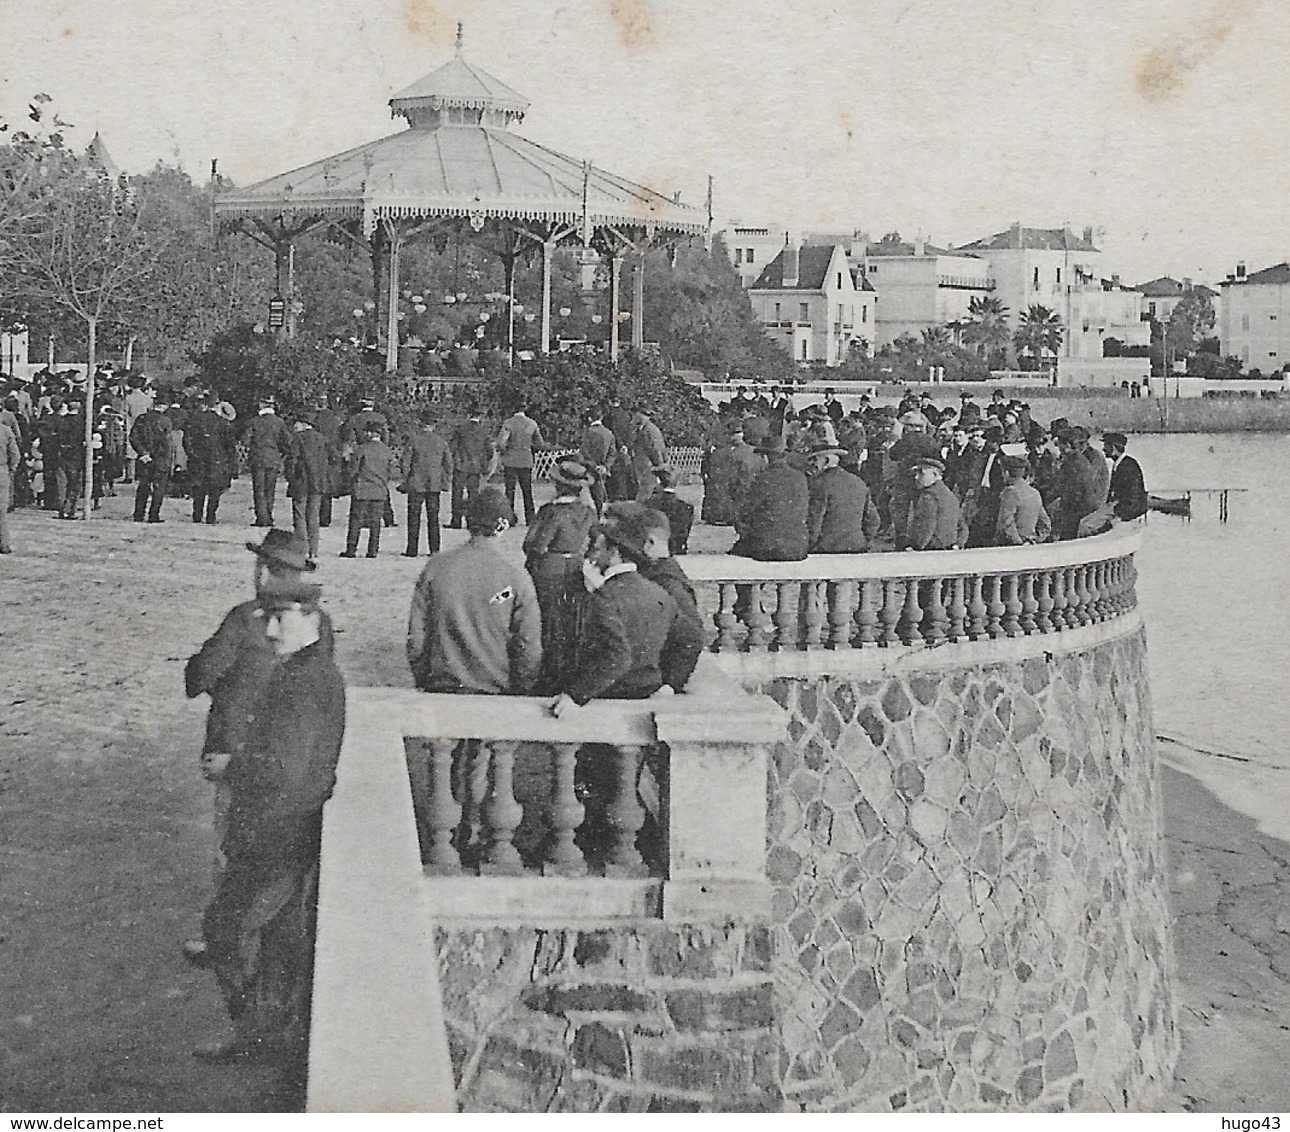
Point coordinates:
pixel 772 523
pixel 234 664
pixel 841 518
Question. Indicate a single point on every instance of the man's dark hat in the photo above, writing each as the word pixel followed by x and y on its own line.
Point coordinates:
pixel 282 548
pixel 1015 465
pixel 571 473
pixel 772 445
pixel 1115 439
pixel 821 447
pixel 1077 434
pixel 627 526
pixel 920 447
pixel 485 507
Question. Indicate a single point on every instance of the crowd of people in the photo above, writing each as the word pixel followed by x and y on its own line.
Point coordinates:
pixel 913 476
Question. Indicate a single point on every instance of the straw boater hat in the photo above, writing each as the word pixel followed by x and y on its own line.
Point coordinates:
pixel 225 410
pixel 571 473
pixel 282 548
pixel 822 447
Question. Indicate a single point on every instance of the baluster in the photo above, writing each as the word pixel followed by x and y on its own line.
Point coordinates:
pixel 813 606
pixel 787 629
pixel 1011 605
pixel 1059 599
pixel 841 601
pixel 1028 603
pixel 1081 606
pixel 994 607
pixel 563 857
pixel 758 621
pixel 444 811
pixel 625 815
pixel 1117 586
pixel 727 620
pixel 936 619
pixel 976 609
pixel 1044 613
pixel 910 622
pixel 893 603
pixel 957 611
pixel 1130 584
pixel 1096 608
pixel 502 813
pixel 867 615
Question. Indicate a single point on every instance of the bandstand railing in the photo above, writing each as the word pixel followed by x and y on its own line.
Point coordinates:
pixel 915 598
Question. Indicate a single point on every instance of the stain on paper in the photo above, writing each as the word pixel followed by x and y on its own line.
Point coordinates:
pixel 1163 71
pixel 634 20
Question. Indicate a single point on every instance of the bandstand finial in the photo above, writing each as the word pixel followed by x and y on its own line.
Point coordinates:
pixel 460 28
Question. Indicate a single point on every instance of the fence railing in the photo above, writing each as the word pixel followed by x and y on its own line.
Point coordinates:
pixel 871 601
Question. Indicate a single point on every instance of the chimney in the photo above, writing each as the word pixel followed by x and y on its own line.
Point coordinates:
pixel 790 265
pixel 1186 283
pixel 1240 270
pixel 920 246
pixel 1015 232
pixel 1088 233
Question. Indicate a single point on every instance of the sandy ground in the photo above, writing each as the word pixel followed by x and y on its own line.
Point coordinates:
pixel 105 832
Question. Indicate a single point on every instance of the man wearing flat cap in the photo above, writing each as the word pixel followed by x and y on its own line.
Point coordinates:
pixel 933 522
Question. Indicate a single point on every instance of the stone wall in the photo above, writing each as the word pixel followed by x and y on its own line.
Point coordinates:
pixel 969 901
pixel 635 1018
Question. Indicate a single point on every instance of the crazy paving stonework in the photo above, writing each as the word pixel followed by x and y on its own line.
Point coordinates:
pixel 969 903
pixel 644 1017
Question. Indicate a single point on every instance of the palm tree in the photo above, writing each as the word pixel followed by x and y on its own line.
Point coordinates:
pixel 987 328
pixel 936 340
pixel 1039 334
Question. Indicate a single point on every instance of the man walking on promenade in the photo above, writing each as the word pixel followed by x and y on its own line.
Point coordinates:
pixel 374 467
pixel 151 440
pixel 427 472
pixel 259 929
pixel 520 435
pixel 268 443
pixel 308 480
pixel 212 457
pixel 472 456
pixel 597 452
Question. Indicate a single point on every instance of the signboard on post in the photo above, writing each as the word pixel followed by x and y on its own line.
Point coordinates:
pixel 277 313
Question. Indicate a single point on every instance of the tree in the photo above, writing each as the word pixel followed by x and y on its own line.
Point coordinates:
pixel 79 244
pixel 1191 322
pixel 1038 335
pixel 986 330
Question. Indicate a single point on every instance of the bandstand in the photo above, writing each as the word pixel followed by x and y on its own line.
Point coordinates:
pixel 458 169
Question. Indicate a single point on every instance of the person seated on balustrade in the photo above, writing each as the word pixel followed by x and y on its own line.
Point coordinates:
pixel 841 518
pixel 634 643
pixel 772 522
pixel 934 516
pixel 1022 519
pixel 1076 491
pixel 660 567
pixel 1128 492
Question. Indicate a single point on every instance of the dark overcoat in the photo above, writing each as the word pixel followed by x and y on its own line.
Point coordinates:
pixel 772 524
pixel 841 517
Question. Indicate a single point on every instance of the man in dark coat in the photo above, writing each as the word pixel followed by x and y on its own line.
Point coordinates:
pixel 597 451
pixel 308 480
pixel 268 443
pixel 622 473
pixel 1077 490
pixel 151 440
pixel 933 522
pixel 374 468
pixel 679 512
pixel 259 928
pixel 772 524
pixel 329 422
pixel 71 453
pixel 1096 461
pixel 728 473
pixel 212 458
pixel 841 518
pixel 51 472
pixel 1128 492
pixel 633 638
pixel 472 455
pixel 427 472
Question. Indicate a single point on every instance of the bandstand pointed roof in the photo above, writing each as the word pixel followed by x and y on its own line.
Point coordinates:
pixel 457 158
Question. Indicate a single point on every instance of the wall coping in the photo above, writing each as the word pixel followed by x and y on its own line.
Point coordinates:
pixel 1119 542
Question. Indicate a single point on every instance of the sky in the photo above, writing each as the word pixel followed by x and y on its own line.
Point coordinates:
pixel 1160 123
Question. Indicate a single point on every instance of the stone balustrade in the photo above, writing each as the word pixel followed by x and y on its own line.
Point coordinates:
pixel 915 598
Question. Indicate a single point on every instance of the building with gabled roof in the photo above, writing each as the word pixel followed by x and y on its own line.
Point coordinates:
pixel 97 153
pixel 1253 317
pixel 811 301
